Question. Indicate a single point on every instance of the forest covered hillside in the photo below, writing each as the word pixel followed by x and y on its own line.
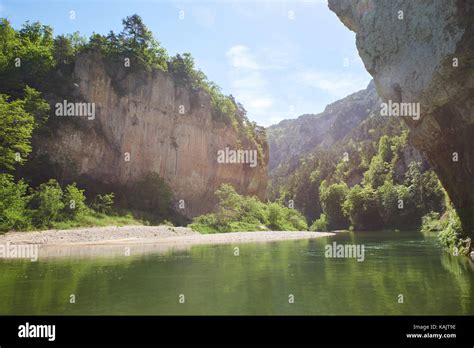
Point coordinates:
pixel 350 167
pixel 290 139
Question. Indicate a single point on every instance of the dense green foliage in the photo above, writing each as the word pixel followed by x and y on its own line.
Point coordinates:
pixel 382 202
pixel 13 204
pixel 18 119
pixel 49 206
pixel 364 182
pixel 242 213
pixel 448 225
pixel 332 198
pixel 103 203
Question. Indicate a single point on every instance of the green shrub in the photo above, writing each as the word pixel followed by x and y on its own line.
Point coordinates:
pixel 14 214
pixel 205 224
pixel 451 235
pixel 276 217
pixel 236 213
pixel 74 202
pixel 281 218
pixel 47 204
pixel 296 220
pixel 361 208
pixel 321 224
pixel 103 203
pixel 431 223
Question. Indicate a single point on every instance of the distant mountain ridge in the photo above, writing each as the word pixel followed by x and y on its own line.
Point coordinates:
pixel 311 148
pixel 291 139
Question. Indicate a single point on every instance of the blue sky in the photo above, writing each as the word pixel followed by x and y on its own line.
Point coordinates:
pixel 279 58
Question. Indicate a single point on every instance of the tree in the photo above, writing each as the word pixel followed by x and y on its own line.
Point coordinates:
pixel 384 150
pixel 137 39
pixel 36 106
pixel 17 122
pixel 103 203
pixel 37 34
pixel 388 202
pixel 47 202
pixel 361 208
pixel 135 34
pixel 14 213
pixel 332 198
pixel 16 128
pixel 74 202
pixel 182 68
pixel 25 56
pixel 377 172
pixel 63 50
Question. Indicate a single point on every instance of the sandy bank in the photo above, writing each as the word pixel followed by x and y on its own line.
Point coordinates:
pixel 107 241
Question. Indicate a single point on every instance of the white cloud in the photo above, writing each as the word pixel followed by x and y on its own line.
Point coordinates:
pixel 249 84
pixel 240 57
pixel 335 84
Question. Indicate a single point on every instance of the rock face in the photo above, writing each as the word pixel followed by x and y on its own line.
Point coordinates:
pixel 291 139
pixel 423 52
pixel 138 129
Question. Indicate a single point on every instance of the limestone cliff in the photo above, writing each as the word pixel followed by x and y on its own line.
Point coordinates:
pixel 423 52
pixel 146 122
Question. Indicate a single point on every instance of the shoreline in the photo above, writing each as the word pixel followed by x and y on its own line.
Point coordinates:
pixel 112 240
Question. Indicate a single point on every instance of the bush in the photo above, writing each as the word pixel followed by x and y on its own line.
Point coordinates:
pixel 431 223
pixel 103 203
pixel 361 208
pixel 205 224
pixel 450 236
pixel 47 204
pixel 240 213
pixel 13 204
pixel 321 224
pixel 74 202
pixel 296 220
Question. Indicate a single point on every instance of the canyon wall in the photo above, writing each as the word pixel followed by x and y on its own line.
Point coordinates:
pixel 423 52
pixel 146 122
pixel 293 138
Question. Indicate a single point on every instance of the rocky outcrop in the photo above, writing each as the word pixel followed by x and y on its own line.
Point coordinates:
pixel 291 139
pixel 423 52
pixel 146 122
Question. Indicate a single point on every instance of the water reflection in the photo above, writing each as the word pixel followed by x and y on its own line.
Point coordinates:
pixel 258 281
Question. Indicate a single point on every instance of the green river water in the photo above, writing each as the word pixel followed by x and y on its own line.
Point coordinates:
pixel 258 281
